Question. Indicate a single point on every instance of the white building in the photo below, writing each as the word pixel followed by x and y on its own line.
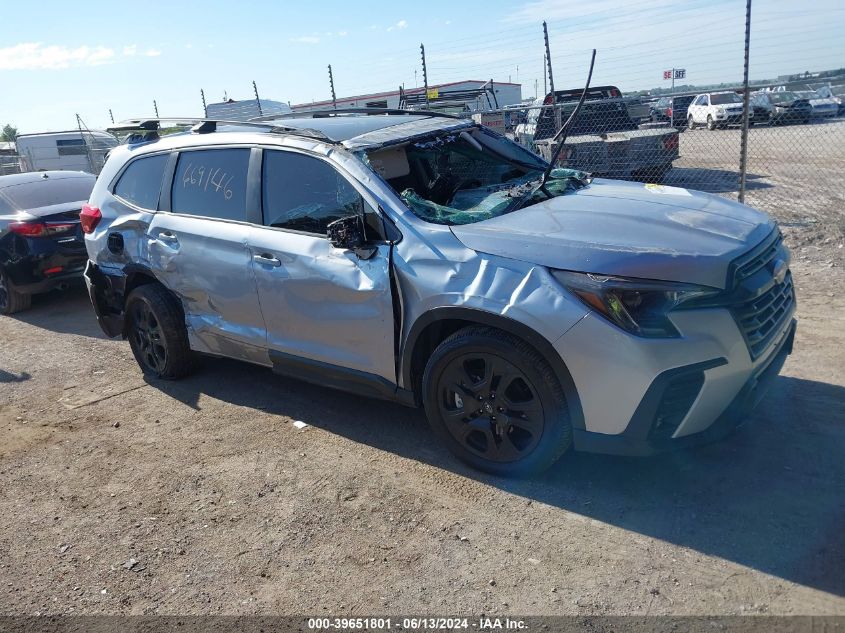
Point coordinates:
pixel 503 94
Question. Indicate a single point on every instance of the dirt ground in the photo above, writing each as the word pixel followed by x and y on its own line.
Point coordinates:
pixel 123 496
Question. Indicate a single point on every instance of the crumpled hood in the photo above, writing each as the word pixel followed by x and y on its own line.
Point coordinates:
pixel 627 229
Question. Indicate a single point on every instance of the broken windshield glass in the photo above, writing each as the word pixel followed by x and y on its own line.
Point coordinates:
pixel 466 177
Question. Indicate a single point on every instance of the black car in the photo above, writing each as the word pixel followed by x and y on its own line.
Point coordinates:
pixel 671 109
pixel 41 241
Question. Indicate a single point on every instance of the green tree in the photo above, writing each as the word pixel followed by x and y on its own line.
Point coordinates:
pixel 9 133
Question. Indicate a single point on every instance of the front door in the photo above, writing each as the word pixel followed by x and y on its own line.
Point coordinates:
pixel 319 302
pixel 198 249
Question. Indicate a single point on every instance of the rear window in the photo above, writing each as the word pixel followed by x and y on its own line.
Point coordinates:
pixel 48 191
pixel 140 184
pixel 211 183
pixel 725 98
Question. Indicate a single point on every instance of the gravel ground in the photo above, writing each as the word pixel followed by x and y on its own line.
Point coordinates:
pixel 123 496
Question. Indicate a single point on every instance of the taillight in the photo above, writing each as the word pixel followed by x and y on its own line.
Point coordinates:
pixel 28 229
pixel 89 218
pixel 548 99
pixel 668 111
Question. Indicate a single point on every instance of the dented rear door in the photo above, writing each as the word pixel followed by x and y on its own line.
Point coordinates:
pixel 198 249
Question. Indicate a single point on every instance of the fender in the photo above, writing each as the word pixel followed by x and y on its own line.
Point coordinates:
pixel 480 317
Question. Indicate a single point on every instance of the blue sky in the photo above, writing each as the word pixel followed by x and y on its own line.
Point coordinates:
pixel 92 55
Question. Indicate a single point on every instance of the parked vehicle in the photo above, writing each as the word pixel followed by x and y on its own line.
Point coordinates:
pixel 426 259
pixel 715 110
pixel 835 92
pixel 778 108
pixel 41 242
pixel 603 139
pixel 823 107
pixel 671 109
pixel 71 151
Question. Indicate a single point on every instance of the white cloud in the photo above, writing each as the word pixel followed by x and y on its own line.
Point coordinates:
pixel 401 24
pixel 130 50
pixel 152 52
pixel 306 39
pixel 36 56
pixel 343 33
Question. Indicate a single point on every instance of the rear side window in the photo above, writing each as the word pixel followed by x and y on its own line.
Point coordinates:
pixel 303 193
pixel 211 183
pixel 140 184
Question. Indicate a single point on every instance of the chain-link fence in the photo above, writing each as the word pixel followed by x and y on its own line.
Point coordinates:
pixel 795 144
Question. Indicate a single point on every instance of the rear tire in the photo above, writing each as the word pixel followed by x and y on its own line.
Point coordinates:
pixel 11 300
pixel 496 403
pixel 155 327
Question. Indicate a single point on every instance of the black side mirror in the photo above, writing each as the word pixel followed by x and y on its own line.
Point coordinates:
pixel 347 232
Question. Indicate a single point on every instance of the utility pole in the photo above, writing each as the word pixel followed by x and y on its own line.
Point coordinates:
pixel 743 148
pixel 425 73
pixel 551 76
pixel 204 107
pixel 155 108
pixel 545 87
pixel 257 100
pixel 111 116
pixel 331 85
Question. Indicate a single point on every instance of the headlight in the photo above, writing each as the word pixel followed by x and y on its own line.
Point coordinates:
pixel 639 306
pixel 720 110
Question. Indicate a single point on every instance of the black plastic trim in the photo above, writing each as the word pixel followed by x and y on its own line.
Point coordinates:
pixel 336 377
pixel 530 336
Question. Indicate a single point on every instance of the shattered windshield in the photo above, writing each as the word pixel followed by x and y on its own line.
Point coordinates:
pixel 468 176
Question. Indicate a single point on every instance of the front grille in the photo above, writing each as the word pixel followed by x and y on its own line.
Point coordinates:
pixel 757 259
pixel 675 404
pixel 760 318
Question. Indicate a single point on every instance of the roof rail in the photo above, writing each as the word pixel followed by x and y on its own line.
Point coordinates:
pixel 206 126
pixel 320 114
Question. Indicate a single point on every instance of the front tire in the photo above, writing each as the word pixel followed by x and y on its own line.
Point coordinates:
pixel 11 300
pixel 690 122
pixel 496 403
pixel 157 334
pixel 711 124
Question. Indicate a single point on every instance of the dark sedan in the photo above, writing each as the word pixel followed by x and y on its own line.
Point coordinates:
pixel 671 109
pixel 41 244
pixel 781 107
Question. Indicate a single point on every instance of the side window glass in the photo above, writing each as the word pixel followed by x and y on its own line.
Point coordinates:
pixel 304 193
pixel 211 183
pixel 140 184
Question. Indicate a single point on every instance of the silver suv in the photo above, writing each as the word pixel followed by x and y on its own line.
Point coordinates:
pixel 425 259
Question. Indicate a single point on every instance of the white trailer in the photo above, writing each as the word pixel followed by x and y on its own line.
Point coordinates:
pixel 70 151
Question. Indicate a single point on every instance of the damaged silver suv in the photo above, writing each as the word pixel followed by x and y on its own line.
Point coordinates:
pixel 425 259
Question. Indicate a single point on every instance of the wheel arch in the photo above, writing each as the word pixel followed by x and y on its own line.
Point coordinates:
pixel 434 326
pixel 137 275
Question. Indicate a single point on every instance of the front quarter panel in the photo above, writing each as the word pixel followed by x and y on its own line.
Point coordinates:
pixel 434 270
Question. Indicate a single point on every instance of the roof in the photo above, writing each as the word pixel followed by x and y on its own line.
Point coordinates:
pixel 359 130
pixel 35 176
pixel 343 128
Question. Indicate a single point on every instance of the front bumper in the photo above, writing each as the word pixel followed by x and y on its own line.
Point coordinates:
pixel 642 396
pixel 639 438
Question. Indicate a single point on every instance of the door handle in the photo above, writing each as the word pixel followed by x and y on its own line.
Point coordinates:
pixel 267 260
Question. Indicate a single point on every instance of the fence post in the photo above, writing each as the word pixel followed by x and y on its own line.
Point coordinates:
pixel 743 147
